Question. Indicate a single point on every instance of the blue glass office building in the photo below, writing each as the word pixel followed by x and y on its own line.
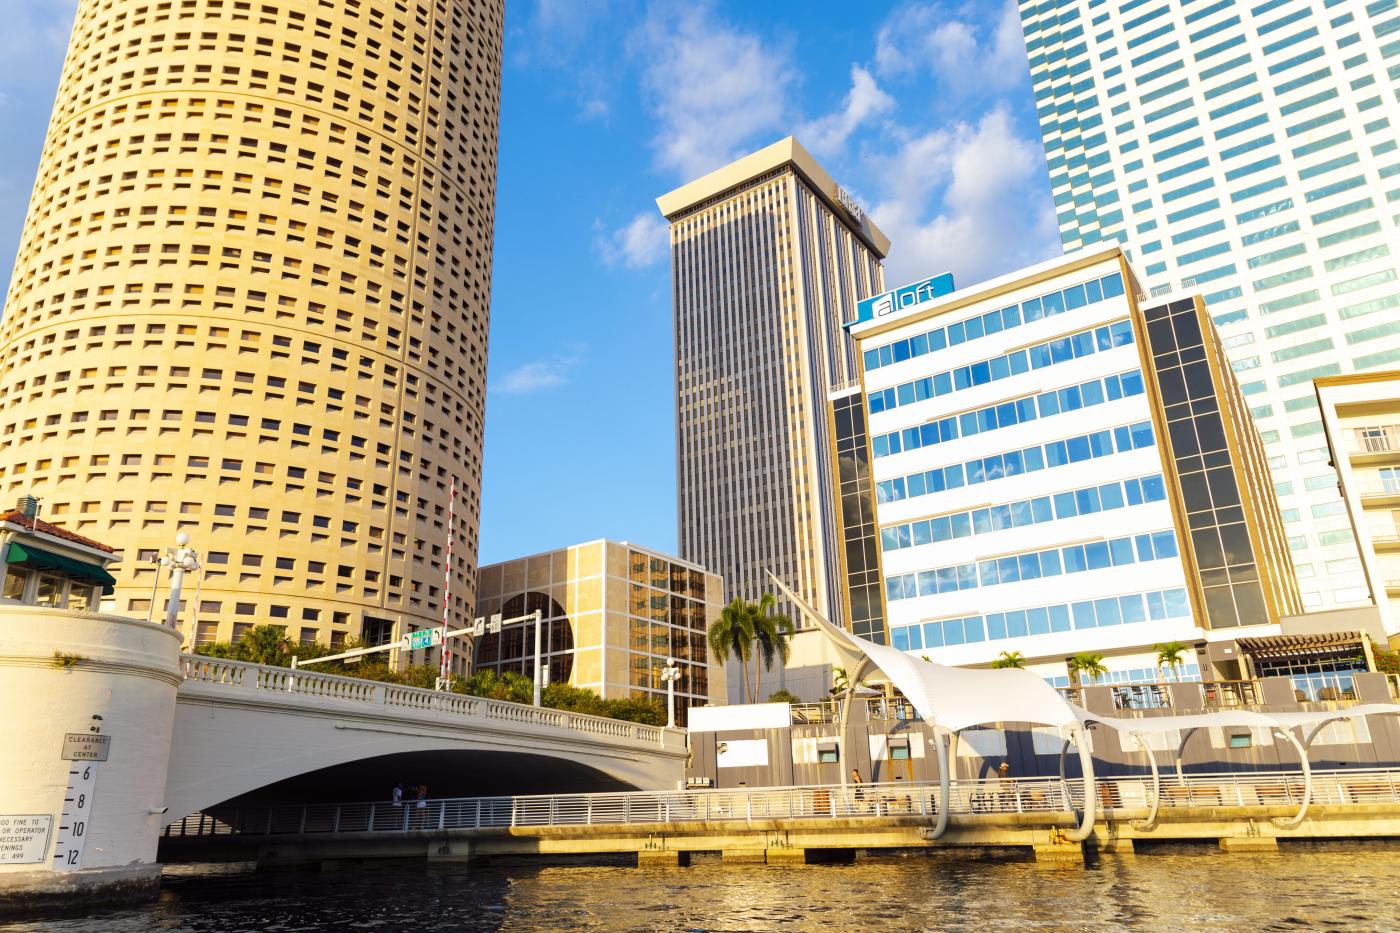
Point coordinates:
pixel 1245 151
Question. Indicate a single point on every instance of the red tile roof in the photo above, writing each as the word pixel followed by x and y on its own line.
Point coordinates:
pixel 16 517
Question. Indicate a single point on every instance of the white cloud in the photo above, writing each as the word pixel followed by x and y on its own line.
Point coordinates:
pixel 827 135
pixel 967 198
pixel 712 88
pixel 539 375
pixel 641 242
pixel 966 54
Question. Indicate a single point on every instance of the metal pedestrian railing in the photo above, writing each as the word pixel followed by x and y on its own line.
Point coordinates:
pixel 870 801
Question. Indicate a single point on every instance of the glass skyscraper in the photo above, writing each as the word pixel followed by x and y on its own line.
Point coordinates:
pixel 1245 151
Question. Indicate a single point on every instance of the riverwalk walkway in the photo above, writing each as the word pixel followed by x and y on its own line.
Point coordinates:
pixel 1244 811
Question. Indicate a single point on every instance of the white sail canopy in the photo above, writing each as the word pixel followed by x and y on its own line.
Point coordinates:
pixel 956 698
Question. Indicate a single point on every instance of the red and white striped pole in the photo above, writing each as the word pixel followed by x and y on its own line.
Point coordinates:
pixel 447 581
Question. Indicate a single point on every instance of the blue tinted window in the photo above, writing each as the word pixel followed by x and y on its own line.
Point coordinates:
pixel 1107 611
pixel 933 635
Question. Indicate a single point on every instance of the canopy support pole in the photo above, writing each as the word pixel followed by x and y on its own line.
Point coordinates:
pixel 1302 749
pixel 942 741
pixel 1181 750
pixel 1091 796
pixel 1156 784
pixel 1086 764
pixel 852 682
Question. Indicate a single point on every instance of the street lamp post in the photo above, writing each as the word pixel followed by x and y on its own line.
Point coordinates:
pixel 670 673
pixel 181 559
pixel 539 674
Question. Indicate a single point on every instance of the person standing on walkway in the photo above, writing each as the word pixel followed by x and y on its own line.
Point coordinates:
pixel 398 794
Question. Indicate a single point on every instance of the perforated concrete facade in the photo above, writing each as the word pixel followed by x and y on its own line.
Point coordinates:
pixel 251 302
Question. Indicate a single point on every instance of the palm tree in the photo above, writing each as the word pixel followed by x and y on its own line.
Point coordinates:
pixel 840 681
pixel 1010 659
pixel 772 633
pixel 1171 654
pixel 732 635
pixel 1086 663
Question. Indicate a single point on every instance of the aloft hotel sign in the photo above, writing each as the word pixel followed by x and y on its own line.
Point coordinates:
pixel 905 297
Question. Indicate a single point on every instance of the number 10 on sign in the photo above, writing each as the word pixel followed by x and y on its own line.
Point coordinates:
pixel 71 839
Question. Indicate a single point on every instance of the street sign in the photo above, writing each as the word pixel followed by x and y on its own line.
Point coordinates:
pixel 24 838
pixel 426 638
pixel 495 626
pixel 83 746
pixel 478 627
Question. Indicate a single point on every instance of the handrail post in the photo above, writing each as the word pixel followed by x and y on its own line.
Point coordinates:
pixel 335 823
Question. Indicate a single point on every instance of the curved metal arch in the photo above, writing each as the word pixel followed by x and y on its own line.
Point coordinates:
pixel 1181 748
pixel 1091 797
pixel 1297 818
pixel 852 681
pixel 1304 749
pixel 944 743
pixel 1156 784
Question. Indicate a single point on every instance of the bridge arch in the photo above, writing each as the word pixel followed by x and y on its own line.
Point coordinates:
pixel 241 727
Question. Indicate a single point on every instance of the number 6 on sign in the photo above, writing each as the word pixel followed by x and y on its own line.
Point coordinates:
pixel 71 839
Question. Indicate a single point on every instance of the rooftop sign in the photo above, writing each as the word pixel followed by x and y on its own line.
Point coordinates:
pixel 848 204
pixel 901 298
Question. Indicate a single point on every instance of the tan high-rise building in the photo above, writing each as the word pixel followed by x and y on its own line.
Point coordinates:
pixel 251 302
pixel 768 257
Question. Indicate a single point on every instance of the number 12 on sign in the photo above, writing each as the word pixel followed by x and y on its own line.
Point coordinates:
pixel 71 839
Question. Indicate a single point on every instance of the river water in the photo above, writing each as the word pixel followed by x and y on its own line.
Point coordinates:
pixel 1349 886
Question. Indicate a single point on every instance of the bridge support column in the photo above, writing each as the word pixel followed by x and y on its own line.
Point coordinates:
pixel 453 850
pixel 1248 844
pixel 789 856
pixel 1112 846
pixel 89 706
pixel 660 858
pixel 1058 847
pixel 743 856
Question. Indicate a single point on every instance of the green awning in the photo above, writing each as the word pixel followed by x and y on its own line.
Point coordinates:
pixel 38 559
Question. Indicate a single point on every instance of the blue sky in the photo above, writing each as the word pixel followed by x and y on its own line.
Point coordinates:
pixel 922 110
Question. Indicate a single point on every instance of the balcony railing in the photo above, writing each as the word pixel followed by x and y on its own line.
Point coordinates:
pixel 1387 441
pixel 876 709
pixel 1221 694
pixel 1379 490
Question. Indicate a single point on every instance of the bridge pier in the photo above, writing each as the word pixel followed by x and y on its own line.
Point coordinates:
pixel 1057 848
pixel 1248 844
pixel 1112 845
pixel 90 703
pixel 744 856
pixel 453 848
pixel 791 856
pixel 660 858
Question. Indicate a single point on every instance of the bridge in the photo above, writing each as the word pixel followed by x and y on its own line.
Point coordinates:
pixel 241 727
pixel 1242 811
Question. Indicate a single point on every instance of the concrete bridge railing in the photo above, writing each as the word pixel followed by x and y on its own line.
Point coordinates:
pixel 270 681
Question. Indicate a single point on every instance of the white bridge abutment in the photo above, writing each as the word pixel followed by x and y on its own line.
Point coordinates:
pixel 88 706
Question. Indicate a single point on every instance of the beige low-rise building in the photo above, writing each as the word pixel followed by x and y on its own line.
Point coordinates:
pixel 613 615
pixel 1361 413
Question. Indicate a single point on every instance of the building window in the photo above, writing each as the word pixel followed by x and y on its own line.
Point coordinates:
pixel 15 582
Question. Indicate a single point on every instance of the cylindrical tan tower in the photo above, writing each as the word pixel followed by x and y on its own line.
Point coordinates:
pixel 251 302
